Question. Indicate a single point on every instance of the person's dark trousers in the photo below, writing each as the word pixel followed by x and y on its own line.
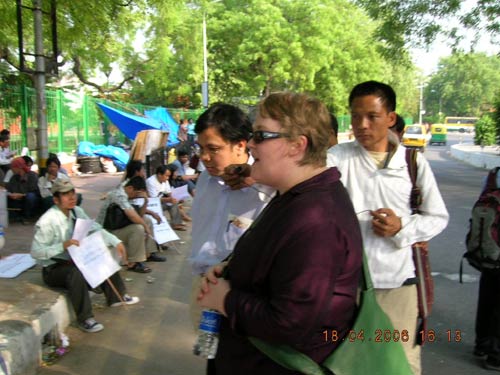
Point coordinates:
pixel 211 367
pixel 488 314
pixel 67 275
pixel 29 205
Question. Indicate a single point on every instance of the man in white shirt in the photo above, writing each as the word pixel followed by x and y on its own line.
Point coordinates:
pixel 374 171
pixel 158 186
pixel 6 155
pixel 221 215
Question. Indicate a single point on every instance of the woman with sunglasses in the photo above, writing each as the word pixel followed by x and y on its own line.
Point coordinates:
pixel 294 274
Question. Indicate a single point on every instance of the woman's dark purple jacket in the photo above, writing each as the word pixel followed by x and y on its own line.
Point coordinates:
pixel 294 274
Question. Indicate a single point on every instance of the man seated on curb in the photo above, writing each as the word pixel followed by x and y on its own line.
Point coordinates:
pixel 158 186
pixel 137 235
pixel 22 190
pixel 52 238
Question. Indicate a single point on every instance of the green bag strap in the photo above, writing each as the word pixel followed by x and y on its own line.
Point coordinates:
pixel 292 359
pixel 289 358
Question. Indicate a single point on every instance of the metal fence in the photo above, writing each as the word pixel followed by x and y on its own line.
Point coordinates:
pixel 72 117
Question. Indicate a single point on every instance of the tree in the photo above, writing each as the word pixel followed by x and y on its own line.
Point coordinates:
pixel 418 22
pixel 466 84
pixel 93 36
pixel 485 131
pixel 321 47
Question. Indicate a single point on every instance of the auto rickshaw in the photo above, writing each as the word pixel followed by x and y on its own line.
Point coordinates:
pixel 438 134
pixel 415 136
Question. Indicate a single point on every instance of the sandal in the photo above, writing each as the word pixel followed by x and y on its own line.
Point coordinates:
pixel 139 268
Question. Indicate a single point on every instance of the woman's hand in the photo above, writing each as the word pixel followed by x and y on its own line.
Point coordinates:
pixel 215 296
pixel 210 286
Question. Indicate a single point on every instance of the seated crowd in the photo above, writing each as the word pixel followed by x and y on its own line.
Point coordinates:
pixel 126 228
pixel 28 194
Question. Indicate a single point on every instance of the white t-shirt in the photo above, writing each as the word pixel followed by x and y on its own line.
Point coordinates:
pixel 157 188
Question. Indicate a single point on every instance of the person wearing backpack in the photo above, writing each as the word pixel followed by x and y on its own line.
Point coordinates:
pixel 483 253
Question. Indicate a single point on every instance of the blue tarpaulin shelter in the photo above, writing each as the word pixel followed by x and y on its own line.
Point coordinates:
pixel 130 124
pixel 161 114
pixel 119 156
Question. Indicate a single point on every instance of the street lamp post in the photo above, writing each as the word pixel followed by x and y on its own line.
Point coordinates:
pixel 421 110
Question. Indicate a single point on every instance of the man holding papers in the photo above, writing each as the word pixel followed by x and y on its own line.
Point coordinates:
pixel 158 186
pixel 53 237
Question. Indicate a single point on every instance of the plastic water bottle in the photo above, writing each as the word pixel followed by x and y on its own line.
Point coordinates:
pixel 208 334
pixel 2 238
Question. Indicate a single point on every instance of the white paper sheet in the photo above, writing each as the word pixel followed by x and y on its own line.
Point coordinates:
pixel 93 259
pixel 181 193
pixel 82 228
pixel 15 264
pixel 162 232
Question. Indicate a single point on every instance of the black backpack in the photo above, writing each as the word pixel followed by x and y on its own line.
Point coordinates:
pixel 482 241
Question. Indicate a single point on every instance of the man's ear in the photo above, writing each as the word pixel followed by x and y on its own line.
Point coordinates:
pixel 392 119
pixel 241 147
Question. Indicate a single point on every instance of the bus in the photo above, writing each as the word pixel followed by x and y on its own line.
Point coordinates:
pixel 462 124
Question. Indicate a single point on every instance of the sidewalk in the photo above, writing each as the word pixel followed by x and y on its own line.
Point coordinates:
pixel 28 309
pixel 486 157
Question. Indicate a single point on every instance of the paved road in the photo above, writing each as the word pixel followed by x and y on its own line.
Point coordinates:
pixel 155 337
pixel 454 309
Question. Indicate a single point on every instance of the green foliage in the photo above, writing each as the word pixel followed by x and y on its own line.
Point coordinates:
pixel 466 84
pixel 485 131
pixel 496 115
pixel 323 47
pixel 418 22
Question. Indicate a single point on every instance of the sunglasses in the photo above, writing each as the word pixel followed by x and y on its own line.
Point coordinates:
pixel 260 136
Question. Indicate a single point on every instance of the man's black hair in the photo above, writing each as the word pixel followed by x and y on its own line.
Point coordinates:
pixel 27 160
pixel 334 123
pixel 137 182
pixel 4 137
pixel 55 160
pixel 132 167
pixel 230 121
pixel 378 89
pixel 5 132
pixel 182 152
pixel 161 169
pixel 172 167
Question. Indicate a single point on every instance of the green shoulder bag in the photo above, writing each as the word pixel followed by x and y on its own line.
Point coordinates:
pixel 372 346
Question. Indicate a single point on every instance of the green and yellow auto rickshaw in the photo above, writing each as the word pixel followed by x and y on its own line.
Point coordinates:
pixel 438 134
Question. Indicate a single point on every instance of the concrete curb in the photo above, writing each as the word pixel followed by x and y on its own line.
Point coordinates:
pixel 486 157
pixel 23 329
